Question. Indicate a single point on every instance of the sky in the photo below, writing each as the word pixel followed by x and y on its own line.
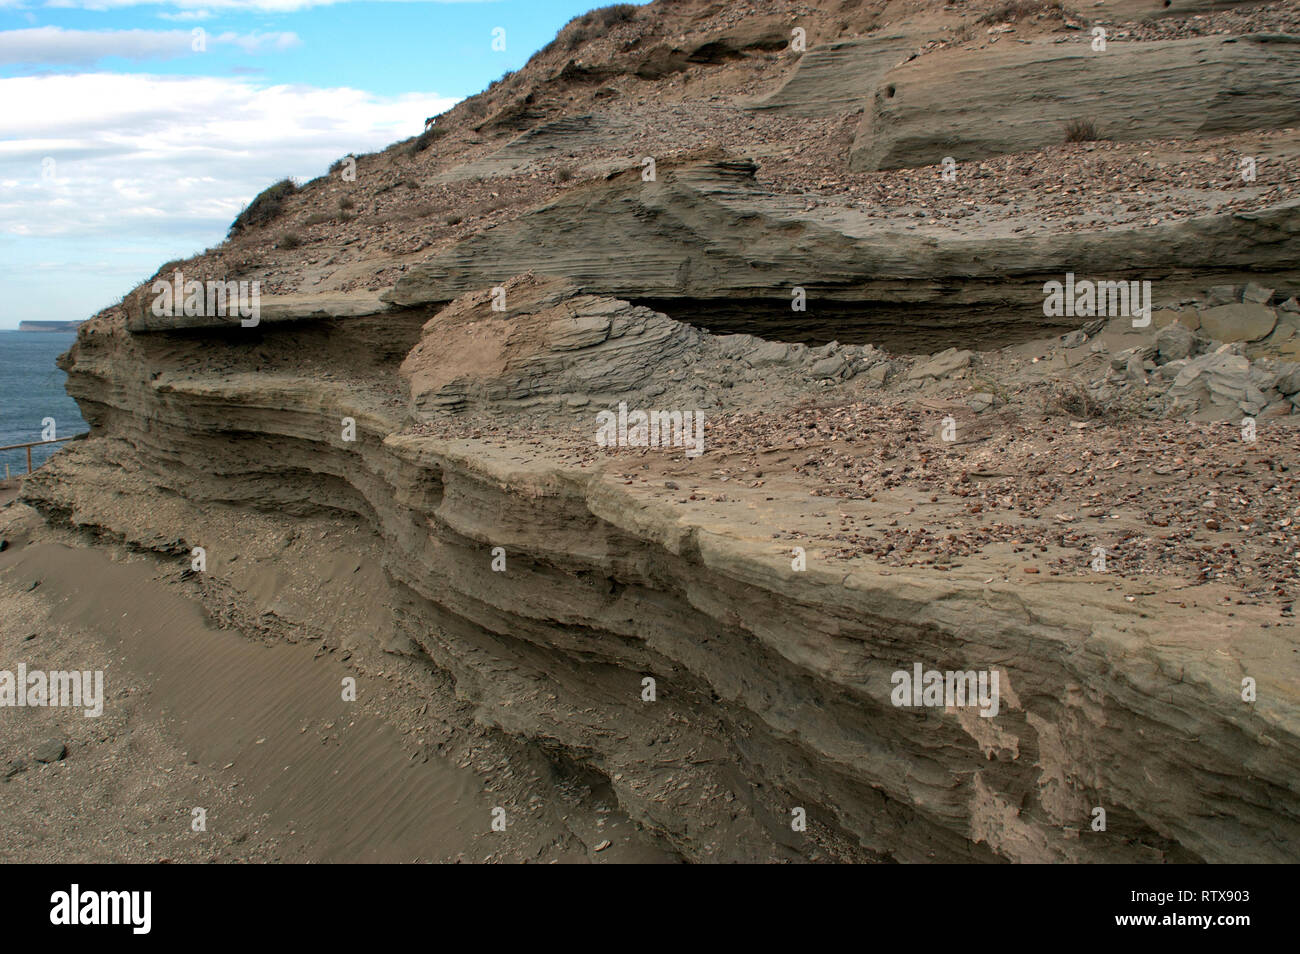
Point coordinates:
pixel 133 131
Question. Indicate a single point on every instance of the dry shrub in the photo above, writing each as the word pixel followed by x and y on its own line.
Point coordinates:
pixel 426 139
pixel 1081 130
pixel 265 207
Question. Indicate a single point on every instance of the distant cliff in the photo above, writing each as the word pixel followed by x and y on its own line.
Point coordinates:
pixel 48 325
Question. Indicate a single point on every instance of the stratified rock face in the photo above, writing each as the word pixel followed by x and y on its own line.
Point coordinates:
pixel 553 346
pixel 971 104
pixel 564 136
pixel 747 36
pixel 838 78
pixel 145 311
pixel 776 682
pixel 545 342
pixel 705 241
pixel 1170 8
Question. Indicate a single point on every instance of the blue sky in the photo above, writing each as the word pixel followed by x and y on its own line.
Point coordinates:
pixel 122 147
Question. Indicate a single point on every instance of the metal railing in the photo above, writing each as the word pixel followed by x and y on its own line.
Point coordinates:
pixel 30 444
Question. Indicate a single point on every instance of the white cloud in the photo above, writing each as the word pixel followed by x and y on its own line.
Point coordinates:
pixel 256 6
pixel 115 145
pixel 138 168
pixel 48 45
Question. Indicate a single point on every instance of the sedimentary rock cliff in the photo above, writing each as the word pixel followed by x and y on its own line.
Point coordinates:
pixel 773 685
pixel 830 536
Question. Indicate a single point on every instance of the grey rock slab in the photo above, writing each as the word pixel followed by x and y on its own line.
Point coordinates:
pixel 710 232
pixel 1223 295
pixel 941 365
pixel 1288 381
pixel 1244 321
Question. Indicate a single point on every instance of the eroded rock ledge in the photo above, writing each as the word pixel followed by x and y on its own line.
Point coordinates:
pixel 773 685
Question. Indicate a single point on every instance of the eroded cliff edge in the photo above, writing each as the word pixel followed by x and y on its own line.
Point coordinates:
pixel 474 529
pixel 773 685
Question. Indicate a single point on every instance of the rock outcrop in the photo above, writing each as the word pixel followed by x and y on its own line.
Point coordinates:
pixel 763 673
pixel 837 78
pixel 971 104
pixel 707 238
pixel 549 344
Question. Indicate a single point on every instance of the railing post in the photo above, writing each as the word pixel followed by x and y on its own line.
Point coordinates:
pixel 28 447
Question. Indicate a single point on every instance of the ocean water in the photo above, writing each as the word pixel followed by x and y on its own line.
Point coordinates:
pixel 31 388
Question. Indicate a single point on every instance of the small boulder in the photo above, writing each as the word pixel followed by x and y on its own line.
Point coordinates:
pixel 875 375
pixel 829 367
pixel 1284 332
pixel 1222 379
pixel 1173 342
pixel 941 365
pixel 1135 370
pixel 1252 401
pixel 51 750
pixel 1288 381
pixel 1256 293
pixel 1264 378
pixel 767 353
pixel 1168 372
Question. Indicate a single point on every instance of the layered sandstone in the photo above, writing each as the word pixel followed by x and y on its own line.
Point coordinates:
pixel 427 371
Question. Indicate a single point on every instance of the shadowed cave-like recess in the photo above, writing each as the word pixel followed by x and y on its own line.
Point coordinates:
pixel 901 329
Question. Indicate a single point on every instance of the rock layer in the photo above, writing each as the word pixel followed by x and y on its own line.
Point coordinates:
pixel 971 104
pixel 707 240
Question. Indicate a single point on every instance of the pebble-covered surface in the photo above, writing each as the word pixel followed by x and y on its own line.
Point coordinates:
pixel 1036 492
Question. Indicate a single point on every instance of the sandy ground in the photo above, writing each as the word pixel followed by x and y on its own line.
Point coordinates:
pixel 255 734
